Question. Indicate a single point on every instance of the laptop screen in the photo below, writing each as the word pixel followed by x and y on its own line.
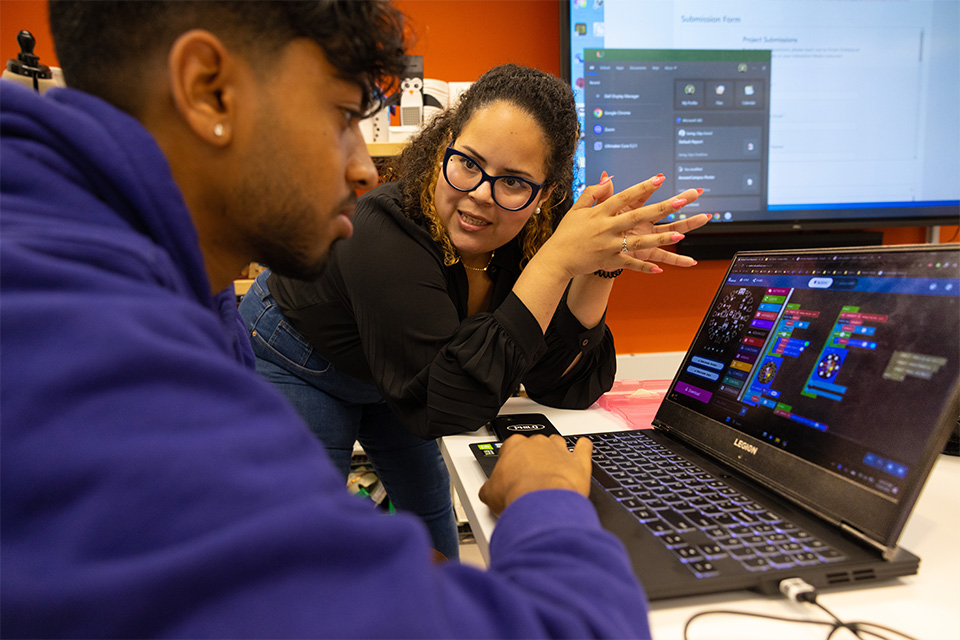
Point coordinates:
pixel 843 358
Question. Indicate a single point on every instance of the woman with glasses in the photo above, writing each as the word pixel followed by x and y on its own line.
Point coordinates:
pixel 464 279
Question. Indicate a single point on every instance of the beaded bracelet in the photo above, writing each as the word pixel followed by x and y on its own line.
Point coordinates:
pixel 607 274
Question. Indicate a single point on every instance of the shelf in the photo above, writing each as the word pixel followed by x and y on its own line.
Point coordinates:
pixel 383 149
pixel 242 285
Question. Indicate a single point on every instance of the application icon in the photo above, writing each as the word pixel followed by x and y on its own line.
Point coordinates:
pixel 597 112
pixel 597 146
pixel 580 28
pixel 598 129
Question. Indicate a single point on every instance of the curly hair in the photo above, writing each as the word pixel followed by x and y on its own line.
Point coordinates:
pixel 544 97
pixel 107 47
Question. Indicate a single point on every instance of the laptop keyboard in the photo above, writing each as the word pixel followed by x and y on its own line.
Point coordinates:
pixel 697 516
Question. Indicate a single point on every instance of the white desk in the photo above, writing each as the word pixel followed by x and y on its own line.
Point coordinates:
pixel 925 606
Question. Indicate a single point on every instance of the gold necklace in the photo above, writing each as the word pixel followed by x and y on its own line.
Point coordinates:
pixel 492 253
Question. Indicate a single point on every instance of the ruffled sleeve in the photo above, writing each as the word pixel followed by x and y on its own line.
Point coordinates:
pixel 591 377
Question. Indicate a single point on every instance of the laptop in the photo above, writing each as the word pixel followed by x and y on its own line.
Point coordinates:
pixel 799 430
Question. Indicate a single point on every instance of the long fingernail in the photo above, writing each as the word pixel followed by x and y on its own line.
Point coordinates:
pixel 604 178
pixel 657 179
pixel 679 202
pixel 677 237
pixel 699 192
pixel 656 269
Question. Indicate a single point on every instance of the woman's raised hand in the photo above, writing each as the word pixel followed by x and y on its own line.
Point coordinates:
pixel 609 231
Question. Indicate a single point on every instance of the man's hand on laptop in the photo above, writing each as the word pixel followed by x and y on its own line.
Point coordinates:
pixel 532 463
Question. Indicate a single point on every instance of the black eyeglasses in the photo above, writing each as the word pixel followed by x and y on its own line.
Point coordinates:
pixel 463 173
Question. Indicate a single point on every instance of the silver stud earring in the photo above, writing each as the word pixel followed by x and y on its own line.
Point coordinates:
pixel 218 130
pixel 537 212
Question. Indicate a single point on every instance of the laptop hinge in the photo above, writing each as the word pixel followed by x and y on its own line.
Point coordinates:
pixel 887 552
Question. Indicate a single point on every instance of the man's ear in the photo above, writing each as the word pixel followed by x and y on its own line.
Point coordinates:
pixel 203 77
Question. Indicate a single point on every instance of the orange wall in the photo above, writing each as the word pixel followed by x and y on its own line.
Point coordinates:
pixel 461 39
pixel 32 16
pixel 458 39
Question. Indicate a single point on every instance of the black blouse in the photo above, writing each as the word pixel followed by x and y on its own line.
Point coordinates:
pixel 387 310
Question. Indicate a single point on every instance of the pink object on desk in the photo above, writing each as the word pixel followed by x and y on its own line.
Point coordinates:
pixel 636 400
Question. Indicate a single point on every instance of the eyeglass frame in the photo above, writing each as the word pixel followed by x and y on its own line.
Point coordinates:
pixel 485 177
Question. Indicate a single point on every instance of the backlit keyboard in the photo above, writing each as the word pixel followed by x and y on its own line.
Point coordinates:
pixel 697 516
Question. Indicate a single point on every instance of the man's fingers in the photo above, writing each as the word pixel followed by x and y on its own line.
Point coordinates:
pixel 583 448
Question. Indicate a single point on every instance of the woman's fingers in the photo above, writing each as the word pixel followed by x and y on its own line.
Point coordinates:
pixel 622 219
pixel 668 257
pixel 594 194
pixel 597 193
pixel 663 234
pixel 652 213
pixel 639 242
pixel 642 250
pixel 655 257
pixel 632 197
pixel 687 224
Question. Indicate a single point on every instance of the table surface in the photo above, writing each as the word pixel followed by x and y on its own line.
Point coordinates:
pixel 923 605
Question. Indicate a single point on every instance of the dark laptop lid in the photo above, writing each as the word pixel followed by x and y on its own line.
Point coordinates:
pixel 829 376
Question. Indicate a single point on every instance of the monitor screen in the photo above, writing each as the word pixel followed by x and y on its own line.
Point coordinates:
pixel 790 114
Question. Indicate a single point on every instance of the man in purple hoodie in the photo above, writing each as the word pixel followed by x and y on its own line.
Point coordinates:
pixel 152 484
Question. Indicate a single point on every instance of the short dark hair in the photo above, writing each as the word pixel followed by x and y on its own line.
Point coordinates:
pixel 546 98
pixel 106 46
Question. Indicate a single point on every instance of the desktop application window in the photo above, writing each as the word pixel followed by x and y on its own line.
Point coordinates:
pixel 700 116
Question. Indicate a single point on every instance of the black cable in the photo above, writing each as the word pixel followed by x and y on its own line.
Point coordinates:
pixel 860 625
pixel 799 591
pixel 853 627
pixel 749 614
pixel 839 623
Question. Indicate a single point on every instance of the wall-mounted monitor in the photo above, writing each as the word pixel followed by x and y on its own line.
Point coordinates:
pixel 792 115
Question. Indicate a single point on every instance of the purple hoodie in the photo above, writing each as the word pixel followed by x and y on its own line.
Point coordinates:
pixel 151 484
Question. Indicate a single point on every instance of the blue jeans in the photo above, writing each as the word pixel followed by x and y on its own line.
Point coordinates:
pixel 341 410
